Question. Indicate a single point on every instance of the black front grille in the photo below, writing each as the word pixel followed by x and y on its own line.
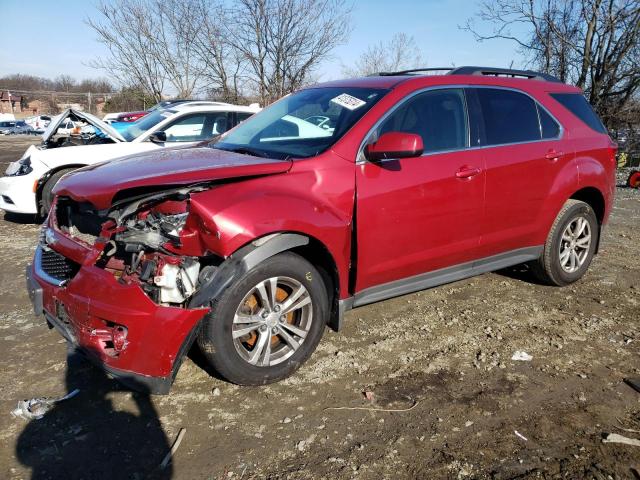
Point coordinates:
pixel 57 266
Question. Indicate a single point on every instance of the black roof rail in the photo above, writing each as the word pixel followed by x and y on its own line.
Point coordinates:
pixel 412 71
pixel 507 72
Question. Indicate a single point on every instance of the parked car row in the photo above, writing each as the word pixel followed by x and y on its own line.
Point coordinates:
pixel 336 196
pixel 15 127
pixel 28 183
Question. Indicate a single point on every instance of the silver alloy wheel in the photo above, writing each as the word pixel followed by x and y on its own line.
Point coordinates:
pixel 272 321
pixel 574 244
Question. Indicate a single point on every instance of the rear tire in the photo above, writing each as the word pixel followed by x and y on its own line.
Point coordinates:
pixel 570 245
pixel 252 336
pixel 46 198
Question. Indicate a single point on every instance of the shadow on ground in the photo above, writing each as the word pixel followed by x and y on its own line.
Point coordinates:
pixel 22 218
pixel 86 437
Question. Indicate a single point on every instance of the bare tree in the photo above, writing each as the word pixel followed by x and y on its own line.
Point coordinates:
pixel 284 41
pixel 399 53
pixel 223 71
pixel 177 29
pixel 64 83
pixel 152 42
pixel 594 44
pixel 127 29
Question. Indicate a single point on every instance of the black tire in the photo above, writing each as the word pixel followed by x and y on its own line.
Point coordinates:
pixel 215 338
pixel 46 197
pixel 548 268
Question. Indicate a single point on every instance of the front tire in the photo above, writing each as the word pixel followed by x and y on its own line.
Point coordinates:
pixel 267 323
pixel 46 198
pixel 570 245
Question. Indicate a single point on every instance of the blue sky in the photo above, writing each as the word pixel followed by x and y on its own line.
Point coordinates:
pixel 52 38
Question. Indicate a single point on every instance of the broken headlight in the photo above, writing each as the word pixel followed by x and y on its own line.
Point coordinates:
pixel 19 168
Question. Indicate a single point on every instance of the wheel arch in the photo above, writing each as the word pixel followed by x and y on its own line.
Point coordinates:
pixel 43 179
pixel 595 199
pixel 266 246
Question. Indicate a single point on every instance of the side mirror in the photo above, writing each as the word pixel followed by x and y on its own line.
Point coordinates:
pixel 158 137
pixel 394 145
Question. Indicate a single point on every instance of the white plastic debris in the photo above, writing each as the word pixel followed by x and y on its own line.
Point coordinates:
pixel 35 408
pixel 519 435
pixel 521 356
pixel 615 438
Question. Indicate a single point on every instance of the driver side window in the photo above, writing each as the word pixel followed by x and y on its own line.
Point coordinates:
pixel 438 116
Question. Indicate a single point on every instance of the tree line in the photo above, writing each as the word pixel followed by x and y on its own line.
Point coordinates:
pixel 62 83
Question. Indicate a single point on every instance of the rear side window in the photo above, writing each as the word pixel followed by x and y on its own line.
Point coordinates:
pixel 578 105
pixel 438 116
pixel 548 126
pixel 509 117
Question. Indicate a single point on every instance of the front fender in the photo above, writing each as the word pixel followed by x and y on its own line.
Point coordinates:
pixel 316 202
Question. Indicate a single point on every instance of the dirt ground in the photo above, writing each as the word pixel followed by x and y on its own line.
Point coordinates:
pixel 446 352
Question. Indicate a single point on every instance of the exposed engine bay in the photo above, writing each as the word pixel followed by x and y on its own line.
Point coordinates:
pixel 142 242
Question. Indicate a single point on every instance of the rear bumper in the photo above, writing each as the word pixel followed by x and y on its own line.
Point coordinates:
pixel 87 311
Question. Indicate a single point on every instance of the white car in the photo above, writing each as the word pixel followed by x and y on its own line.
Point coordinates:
pixel 28 183
pixel 39 122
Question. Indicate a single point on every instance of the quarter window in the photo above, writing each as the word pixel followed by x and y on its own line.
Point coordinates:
pixel 548 126
pixel 578 105
pixel 438 116
pixel 509 117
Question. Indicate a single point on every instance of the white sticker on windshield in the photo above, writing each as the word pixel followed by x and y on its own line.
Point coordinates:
pixel 347 101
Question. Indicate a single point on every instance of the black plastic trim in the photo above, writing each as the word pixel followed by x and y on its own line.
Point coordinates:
pixel 242 261
pixel 439 277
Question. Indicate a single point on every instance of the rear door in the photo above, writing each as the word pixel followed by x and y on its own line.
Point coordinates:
pixel 416 215
pixel 522 154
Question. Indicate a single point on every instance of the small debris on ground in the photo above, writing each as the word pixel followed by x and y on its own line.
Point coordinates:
pixel 36 408
pixel 521 356
pixel 174 447
pixel 518 434
pixel 615 438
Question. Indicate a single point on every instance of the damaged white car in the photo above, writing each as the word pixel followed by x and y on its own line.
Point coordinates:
pixel 28 182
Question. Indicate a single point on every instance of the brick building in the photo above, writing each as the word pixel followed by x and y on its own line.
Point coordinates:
pixel 10 102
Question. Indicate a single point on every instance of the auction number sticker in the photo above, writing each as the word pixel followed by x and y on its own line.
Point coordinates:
pixel 347 101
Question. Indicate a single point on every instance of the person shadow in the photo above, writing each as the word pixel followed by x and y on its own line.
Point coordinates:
pixel 85 437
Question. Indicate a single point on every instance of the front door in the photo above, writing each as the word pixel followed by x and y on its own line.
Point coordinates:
pixel 417 215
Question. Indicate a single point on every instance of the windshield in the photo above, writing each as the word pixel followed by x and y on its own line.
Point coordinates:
pixel 145 123
pixel 303 124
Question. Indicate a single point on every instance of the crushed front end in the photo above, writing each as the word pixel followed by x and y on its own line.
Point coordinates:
pixel 116 283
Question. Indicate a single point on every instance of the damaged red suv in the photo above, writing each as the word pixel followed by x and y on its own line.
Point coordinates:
pixel 336 196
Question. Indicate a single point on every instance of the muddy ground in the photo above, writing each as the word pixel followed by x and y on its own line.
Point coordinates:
pixel 446 352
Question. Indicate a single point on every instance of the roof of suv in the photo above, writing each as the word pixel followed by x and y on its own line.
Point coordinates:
pixel 212 107
pixel 523 79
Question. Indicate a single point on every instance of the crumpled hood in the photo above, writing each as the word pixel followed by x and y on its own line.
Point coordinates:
pixel 99 183
pixel 87 117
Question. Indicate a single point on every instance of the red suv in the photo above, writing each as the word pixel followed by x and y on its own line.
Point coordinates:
pixel 336 196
